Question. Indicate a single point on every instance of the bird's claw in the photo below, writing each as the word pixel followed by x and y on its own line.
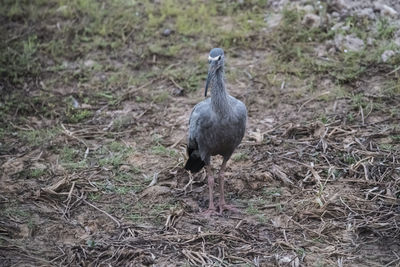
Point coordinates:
pixel 209 212
pixel 231 208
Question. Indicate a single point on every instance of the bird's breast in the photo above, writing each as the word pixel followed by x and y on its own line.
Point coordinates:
pixel 224 137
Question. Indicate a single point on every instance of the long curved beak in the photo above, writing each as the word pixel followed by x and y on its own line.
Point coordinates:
pixel 210 74
pixel 207 83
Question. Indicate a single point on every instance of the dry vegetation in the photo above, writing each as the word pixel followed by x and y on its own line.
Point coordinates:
pixel 95 98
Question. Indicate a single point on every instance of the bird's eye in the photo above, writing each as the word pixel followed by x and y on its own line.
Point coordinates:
pixel 219 58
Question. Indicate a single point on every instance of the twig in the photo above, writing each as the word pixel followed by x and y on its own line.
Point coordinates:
pixel 69 198
pixel 175 83
pixel 305 228
pixel 71 134
pixel 125 95
pixel 347 206
pixel 106 213
pixel 362 116
pixel 393 71
pixel 311 99
pixel 215 234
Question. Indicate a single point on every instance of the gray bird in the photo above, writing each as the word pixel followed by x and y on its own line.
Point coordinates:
pixel 216 127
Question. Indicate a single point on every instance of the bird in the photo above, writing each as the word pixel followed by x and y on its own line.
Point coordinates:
pixel 216 127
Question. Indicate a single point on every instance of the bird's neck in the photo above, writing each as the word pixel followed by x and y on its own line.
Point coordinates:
pixel 219 95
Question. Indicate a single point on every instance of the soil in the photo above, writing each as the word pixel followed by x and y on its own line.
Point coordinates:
pixel 311 191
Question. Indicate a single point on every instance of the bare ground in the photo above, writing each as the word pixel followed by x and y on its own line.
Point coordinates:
pixel 315 186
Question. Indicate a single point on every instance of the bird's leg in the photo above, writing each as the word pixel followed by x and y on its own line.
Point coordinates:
pixel 222 205
pixel 211 207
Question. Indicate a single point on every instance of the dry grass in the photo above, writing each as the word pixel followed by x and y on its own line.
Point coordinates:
pixel 91 153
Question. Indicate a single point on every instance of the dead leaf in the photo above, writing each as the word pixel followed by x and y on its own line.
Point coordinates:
pixel 280 221
pixel 278 172
pixel 52 189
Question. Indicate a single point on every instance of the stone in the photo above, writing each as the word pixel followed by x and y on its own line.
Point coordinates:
pixel 370 41
pixel 367 13
pixel 312 20
pixel 337 26
pixel 386 10
pixel 89 63
pixel 167 32
pixel 349 43
pixel 308 9
pixel 273 20
pixel 340 5
pixel 397 41
pixel 320 50
pixel 387 55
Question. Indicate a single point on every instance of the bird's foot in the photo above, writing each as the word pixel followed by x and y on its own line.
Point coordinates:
pixel 223 206
pixel 209 212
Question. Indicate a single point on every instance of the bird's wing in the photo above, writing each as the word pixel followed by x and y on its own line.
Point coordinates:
pixel 199 122
pixel 240 112
pixel 239 109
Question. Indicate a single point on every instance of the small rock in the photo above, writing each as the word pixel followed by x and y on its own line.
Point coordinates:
pixel 312 20
pixel 308 9
pixel 89 63
pixel 86 106
pixel 349 43
pixel 397 37
pixel 70 65
pixel 386 10
pixel 340 5
pixel 337 26
pixel 366 12
pixel 167 32
pixel 49 62
pixel 345 28
pixel 279 5
pixel 320 51
pixel 99 77
pixel 273 20
pixel 387 55
pixel 397 41
pixel 177 92
pixel 75 102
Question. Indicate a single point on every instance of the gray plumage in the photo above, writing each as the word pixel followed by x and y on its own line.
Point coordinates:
pixel 217 124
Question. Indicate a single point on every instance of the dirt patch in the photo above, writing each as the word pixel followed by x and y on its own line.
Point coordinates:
pixel 92 146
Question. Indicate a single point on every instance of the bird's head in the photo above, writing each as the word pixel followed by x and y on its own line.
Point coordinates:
pixel 215 62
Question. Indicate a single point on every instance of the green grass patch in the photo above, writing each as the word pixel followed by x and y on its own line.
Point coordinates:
pixel 72 158
pixel 252 209
pixel 163 151
pixel 113 155
pixel 78 115
pixel 294 46
pixel 160 97
pixel 15 212
pixel 240 156
pixel 38 137
pixel 36 173
pixel 19 61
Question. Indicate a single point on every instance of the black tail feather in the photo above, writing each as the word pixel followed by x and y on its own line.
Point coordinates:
pixel 194 163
